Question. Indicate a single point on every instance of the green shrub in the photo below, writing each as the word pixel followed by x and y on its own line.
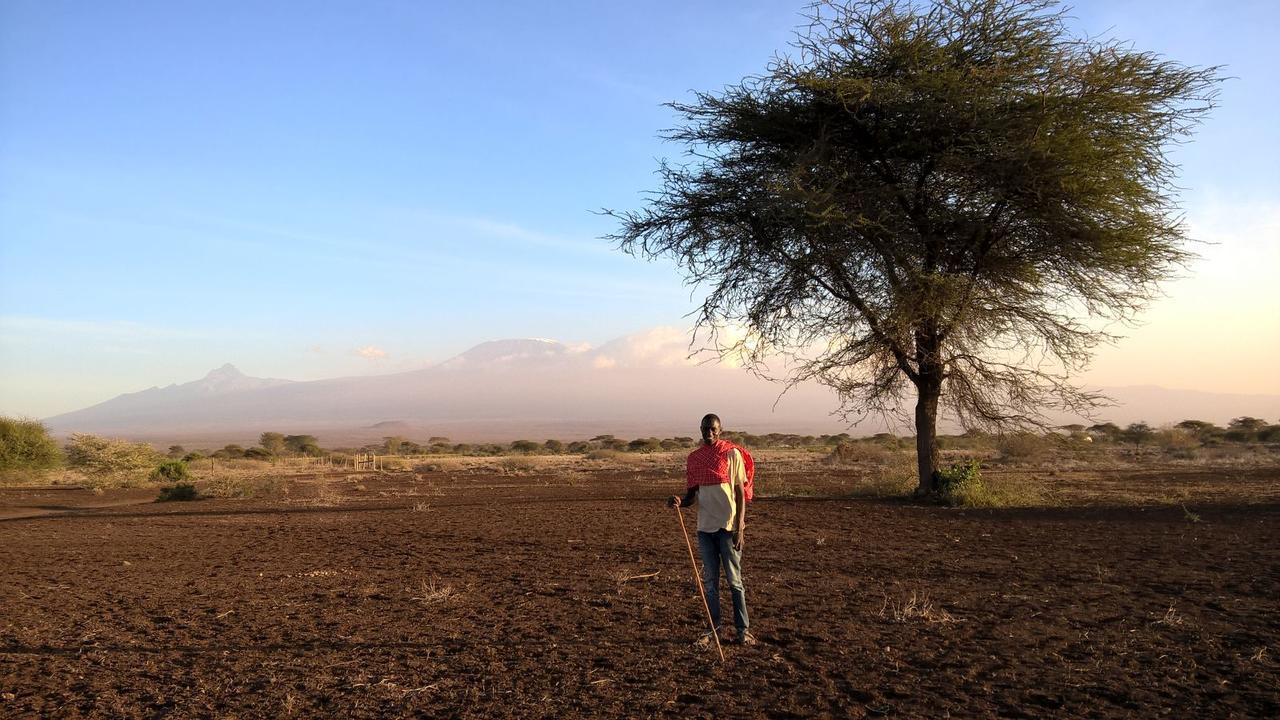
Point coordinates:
pixel 961 484
pixel 257 453
pixel 179 492
pixel 27 445
pixel 646 445
pixel 172 470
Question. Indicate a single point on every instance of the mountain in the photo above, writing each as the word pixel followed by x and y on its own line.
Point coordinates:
pixel 639 385
pixel 154 405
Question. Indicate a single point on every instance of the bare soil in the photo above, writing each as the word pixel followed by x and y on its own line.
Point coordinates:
pixel 518 593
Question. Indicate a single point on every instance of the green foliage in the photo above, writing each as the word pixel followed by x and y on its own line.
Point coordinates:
pixel 193 456
pixel 272 442
pixel 172 470
pixel 922 190
pixel 1245 429
pixel 110 456
pixel 179 492
pixel 961 485
pixel 27 445
pixel 553 446
pixel 303 445
pixel 646 445
pixel 525 446
pixel 258 453
pixel 1138 433
pixel 176 452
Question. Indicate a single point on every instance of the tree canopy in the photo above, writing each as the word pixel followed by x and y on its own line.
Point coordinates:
pixel 950 198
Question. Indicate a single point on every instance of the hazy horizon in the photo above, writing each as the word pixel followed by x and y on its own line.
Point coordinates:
pixel 361 191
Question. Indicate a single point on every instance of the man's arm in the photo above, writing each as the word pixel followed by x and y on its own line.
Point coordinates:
pixel 738 471
pixel 689 498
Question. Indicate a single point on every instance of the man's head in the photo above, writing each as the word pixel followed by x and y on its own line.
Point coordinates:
pixel 710 428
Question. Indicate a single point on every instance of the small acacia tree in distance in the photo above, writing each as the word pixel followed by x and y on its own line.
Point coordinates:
pixel 943 199
pixel 272 442
pixel 110 456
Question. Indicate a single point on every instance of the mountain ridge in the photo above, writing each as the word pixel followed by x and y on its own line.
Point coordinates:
pixel 642 384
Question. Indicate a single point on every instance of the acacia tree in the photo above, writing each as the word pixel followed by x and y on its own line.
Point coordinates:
pixel 951 199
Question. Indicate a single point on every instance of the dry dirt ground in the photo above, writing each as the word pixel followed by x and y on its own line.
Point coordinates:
pixel 551 592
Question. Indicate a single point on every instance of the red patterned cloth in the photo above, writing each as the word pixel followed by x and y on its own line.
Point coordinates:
pixel 709 465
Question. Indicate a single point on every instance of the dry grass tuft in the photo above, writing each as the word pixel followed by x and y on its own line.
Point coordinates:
pixel 240 487
pixel 916 606
pixel 1171 618
pixel 517 465
pixel 434 592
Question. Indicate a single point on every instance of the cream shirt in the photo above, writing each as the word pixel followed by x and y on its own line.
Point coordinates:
pixel 717 505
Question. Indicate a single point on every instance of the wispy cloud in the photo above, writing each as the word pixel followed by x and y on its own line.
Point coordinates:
pixel 117 329
pixel 371 352
pixel 501 229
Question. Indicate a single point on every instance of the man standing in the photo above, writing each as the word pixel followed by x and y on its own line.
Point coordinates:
pixel 719 476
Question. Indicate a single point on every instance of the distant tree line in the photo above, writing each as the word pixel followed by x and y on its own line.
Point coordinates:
pixel 27 447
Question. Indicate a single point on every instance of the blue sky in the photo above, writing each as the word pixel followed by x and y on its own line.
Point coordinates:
pixel 326 188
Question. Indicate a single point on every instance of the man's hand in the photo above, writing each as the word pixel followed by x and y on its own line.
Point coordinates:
pixel 673 501
pixel 739 540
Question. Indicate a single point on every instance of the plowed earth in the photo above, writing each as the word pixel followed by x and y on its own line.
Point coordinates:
pixel 500 595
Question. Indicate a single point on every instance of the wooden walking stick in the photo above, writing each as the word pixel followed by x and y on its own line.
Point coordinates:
pixel 697 581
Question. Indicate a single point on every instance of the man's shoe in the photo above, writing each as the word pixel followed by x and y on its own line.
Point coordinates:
pixel 706 639
pixel 745 638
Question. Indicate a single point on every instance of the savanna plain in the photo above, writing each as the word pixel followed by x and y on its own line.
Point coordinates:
pixel 1101 582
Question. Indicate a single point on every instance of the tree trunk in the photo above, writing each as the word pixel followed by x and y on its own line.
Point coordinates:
pixel 930 389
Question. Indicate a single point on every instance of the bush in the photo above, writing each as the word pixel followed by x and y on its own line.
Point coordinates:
pixel 646 445
pixel 173 471
pixel 857 453
pixel 27 445
pixel 1177 441
pixel 516 464
pixel 110 456
pixel 179 492
pixel 257 453
pixel 961 484
pixel 1021 446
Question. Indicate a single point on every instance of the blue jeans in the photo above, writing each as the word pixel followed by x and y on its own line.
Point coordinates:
pixel 717 551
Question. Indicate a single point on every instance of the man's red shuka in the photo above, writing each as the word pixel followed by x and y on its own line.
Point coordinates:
pixel 709 465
